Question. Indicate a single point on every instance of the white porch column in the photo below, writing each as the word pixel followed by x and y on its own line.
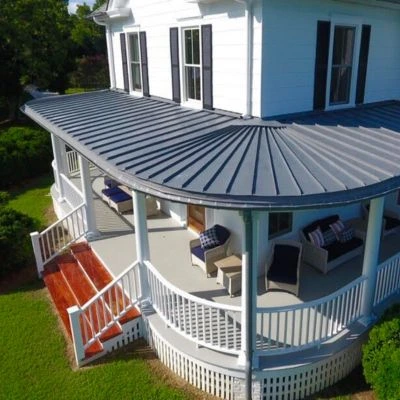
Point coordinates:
pixel 142 240
pixel 87 197
pixel 58 165
pixel 371 254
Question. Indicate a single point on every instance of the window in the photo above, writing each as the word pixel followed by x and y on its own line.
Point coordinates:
pixel 192 64
pixel 342 64
pixel 134 62
pixel 279 224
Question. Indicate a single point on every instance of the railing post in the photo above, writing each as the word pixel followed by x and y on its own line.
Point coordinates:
pixel 35 238
pixel 58 165
pixel 74 314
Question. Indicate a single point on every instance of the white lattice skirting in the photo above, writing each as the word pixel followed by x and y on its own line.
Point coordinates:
pixel 280 384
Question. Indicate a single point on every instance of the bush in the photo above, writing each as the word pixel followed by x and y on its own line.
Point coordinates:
pixel 25 152
pixel 4 198
pixel 15 243
pixel 381 356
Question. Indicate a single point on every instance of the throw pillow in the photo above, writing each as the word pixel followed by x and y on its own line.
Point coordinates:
pixel 346 235
pixel 329 237
pixel 316 237
pixel 209 238
pixel 337 227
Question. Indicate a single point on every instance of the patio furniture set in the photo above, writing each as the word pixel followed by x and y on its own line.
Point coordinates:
pixel 324 244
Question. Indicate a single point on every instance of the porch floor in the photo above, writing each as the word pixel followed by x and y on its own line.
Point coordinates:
pixel 169 253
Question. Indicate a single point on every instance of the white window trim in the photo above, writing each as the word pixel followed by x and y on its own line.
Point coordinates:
pixel 197 104
pixel 351 21
pixel 138 93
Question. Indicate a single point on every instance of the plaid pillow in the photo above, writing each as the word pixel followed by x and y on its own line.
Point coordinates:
pixel 329 237
pixel 337 227
pixel 209 238
pixel 346 235
pixel 316 237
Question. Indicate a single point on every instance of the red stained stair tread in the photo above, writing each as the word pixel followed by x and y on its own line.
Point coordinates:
pixel 95 348
pixel 92 265
pixel 129 316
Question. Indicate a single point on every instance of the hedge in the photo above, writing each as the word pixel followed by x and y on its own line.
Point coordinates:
pixel 15 243
pixel 381 356
pixel 25 152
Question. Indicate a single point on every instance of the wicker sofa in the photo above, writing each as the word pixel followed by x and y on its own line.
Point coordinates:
pixel 329 257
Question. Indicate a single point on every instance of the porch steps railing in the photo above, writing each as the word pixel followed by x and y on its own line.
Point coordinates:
pixel 209 324
pixel 388 279
pixel 72 162
pixel 296 327
pixel 92 305
pixel 58 236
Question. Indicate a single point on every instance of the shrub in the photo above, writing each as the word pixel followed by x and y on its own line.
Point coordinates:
pixel 25 152
pixel 4 198
pixel 15 243
pixel 381 356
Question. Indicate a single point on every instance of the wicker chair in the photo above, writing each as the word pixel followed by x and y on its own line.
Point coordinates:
pixel 390 223
pixel 205 258
pixel 283 266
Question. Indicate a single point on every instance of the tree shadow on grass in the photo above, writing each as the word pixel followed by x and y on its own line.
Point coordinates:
pixel 24 280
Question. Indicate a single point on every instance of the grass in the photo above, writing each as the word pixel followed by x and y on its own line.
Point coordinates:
pixel 34 199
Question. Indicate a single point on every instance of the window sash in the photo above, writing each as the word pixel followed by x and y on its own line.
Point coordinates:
pixel 192 64
pixel 134 61
pixel 280 223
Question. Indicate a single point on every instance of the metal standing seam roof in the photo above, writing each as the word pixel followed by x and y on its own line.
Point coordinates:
pixel 204 157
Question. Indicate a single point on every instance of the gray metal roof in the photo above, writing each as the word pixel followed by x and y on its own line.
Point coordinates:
pixel 205 157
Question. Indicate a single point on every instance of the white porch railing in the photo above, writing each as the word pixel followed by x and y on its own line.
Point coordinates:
pixel 294 327
pixel 107 307
pixel 388 280
pixel 72 194
pixel 72 162
pixel 209 324
pixel 58 236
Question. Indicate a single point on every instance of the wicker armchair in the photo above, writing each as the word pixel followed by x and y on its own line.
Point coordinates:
pixel 205 258
pixel 390 223
pixel 283 266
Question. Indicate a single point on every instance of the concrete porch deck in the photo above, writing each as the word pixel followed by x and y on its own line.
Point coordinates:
pixel 169 252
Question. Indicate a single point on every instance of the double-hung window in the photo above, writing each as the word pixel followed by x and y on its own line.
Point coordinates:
pixel 342 65
pixel 192 64
pixel 279 224
pixel 134 62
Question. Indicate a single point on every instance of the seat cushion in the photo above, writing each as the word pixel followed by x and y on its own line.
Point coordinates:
pixel 284 265
pixel 119 197
pixel 337 249
pixel 109 182
pixel 198 252
pixel 222 233
pixel 391 223
pixel 111 191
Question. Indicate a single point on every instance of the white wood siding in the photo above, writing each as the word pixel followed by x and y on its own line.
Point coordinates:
pixel 289 41
pixel 229 47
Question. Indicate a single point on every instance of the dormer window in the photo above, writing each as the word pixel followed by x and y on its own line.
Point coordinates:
pixel 134 62
pixel 192 64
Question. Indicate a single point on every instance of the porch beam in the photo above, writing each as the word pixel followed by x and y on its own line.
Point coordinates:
pixel 371 256
pixel 58 165
pixel 91 229
pixel 142 240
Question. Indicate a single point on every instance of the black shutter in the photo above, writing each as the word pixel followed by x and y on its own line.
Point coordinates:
pixel 143 59
pixel 321 64
pixel 363 63
pixel 174 47
pixel 124 62
pixel 206 48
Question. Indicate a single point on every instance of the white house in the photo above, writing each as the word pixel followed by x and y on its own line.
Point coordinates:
pixel 276 120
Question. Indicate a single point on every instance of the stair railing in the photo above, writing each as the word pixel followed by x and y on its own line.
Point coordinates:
pixel 58 236
pixel 103 310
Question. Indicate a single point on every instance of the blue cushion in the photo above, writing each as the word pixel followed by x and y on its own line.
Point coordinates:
pixel 284 265
pixel 209 238
pixel 110 183
pixel 198 252
pixel 111 191
pixel 117 198
pixel 222 233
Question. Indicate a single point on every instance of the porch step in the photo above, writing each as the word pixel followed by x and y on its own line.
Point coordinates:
pixel 73 279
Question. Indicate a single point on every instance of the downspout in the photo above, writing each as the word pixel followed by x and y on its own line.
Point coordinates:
pixel 110 50
pixel 249 56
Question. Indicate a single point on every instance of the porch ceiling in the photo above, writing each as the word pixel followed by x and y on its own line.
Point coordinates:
pixel 215 159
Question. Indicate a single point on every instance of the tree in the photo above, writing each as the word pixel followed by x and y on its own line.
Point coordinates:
pixel 34 47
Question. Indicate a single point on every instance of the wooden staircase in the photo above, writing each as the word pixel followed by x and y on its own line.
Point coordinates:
pixel 76 277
